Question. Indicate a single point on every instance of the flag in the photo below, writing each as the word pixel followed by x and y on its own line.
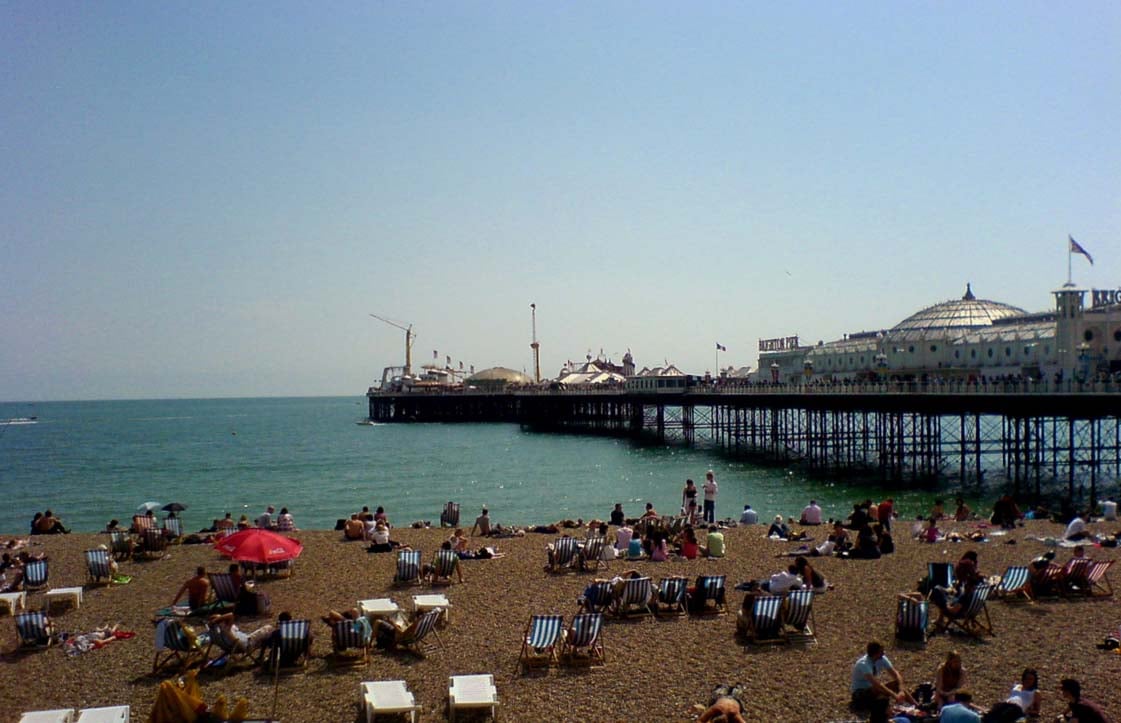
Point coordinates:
pixel 435 354
pixel 1076 248
pixel 721 347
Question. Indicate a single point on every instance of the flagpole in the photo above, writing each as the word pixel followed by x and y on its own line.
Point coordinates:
pixel 1069 254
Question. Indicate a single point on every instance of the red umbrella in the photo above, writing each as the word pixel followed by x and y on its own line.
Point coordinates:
pixel 258 545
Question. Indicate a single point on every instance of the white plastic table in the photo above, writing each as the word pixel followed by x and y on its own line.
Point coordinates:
pixel 378 608
pixel 424 603
pixel 472 691
pixel 12 600
pixel 388 696
pixel 64 593
pixel 60 715
pixel 112 714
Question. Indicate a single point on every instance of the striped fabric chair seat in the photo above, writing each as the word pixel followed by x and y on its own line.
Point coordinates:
pixel 764 625
pixel 672 595
pixel 34 630
pixel 582 639
pixel 35 575
pixel 912 619
pixel 634 596
pixel 540 640
pixel 408 567
pixel 1015 584
pixel 97 566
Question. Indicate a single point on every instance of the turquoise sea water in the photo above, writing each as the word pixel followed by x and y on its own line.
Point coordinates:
pixel 92 461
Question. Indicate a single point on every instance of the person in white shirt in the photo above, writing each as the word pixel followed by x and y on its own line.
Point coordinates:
pixel 1076 530
pixel 710 490
pixel 749 516
pixel 623 537
pixel 780 582
pixel 264 521
pixel 811 514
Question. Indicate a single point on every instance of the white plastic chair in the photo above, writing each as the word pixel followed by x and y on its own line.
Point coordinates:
pixel 472 691
pixel 60 715
pixel 388 696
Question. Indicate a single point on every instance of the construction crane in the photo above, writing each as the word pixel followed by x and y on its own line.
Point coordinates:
pixel 410 337
pixel 536 347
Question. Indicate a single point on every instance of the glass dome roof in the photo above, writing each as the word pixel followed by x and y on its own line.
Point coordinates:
pixel 957 315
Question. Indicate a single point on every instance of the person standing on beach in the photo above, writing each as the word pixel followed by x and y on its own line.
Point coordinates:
pixel 710 488
pixel 482 524
pixel 689 501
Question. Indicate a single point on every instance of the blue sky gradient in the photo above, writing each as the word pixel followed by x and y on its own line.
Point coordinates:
pixel 208 199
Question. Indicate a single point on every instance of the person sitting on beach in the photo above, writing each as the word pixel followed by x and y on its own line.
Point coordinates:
pixel 687 545
pixel 1075 530
pixel 811 578
pixel 482 524
pixel 1024 700
pixel 727 705
pixel 659 545
pixel 380 541
pixel 1080 710
pixel 840 537
pixel 650 511
pixel 264 520
pixel 962 512
pixel 883 539
pixel 380 516
pixel 867 547
pixel 951 606
pixel 234 638
pixel 617 518
pixel 782 581
pixel 197 589
pixel 869 692
pixel 811 514
pixel 858 517
pixel 778 528
pixel 623 537
pixel 948 679
pixel 938 511
pixel 930 533
pixel 430 574
pixel 50 525
pixel 361 622
pixel 285 522
pixel 714 543
pixel 1006 513
pixel 243 522
pixel 226 523
pixel 749 516
pixel 12 578
pixel 354 529
pixel 961 710
pixel 35 523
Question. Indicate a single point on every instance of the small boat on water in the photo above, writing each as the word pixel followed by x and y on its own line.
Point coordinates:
pixel 20 420
pixel 366 423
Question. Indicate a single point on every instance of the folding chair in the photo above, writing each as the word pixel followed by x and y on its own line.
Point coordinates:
pixel 581 640
pixel 1097 582
pixel 939 574
pixel 634 595
pixel 764 623
pixel 444 564
pixel 351 641
pixel 540 640
pixel 226 591
pixel 173 528
pixel 174 643
pixel 970 621
pixel 798 616
pixel 671 596
pixel 597 597
pixel 449 517
pixel 293 647
pixel 1015 584
pixel 590 558
pixel 152 542
pixel 97 566
pixel 472 692
pixel 415 637
pixel 562 554
pixel 912 619
pixel 34 630
pixel 408 568
pixel 708 589
pixel 35 574
pixel 120 545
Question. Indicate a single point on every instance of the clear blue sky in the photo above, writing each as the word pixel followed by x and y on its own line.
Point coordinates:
pixel 207 199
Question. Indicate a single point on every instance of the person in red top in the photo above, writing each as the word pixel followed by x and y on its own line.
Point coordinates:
pixel 884 511
pixel 1080 710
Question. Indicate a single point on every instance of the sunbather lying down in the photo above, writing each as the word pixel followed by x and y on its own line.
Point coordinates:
pixel 727 705
pixel 234 638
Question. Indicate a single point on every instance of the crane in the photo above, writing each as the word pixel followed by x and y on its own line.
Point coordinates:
pixel 409 338
pixel 536 347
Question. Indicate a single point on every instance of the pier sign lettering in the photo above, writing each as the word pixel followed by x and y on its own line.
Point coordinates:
pixel 780 344
pixel 1105 297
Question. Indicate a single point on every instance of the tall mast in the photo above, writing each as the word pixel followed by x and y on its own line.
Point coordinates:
pixel 409 338
pixel 535 346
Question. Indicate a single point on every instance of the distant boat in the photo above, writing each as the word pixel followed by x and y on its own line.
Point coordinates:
pixel 366 423
pixel 20 420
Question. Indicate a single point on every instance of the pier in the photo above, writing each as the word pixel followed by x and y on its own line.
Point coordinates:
pixel 1039 438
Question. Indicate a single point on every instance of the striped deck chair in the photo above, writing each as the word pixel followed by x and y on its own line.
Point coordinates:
pixel 140 523
pixel 351 640
pixel 671 596
pixel 1097 582
pixel 444 565
pixel 912 619
pixel 450 515
pixel 174 643
pixel 708 595
pixel 1050 583
pixel 562 554
pixel 415 638
pixel 597 597
pixel 1015 584
pixel 224 648
pixel 97 566
pixel 591 557
pixel 582 642
pixel 764 623
pixel 225 590
pixel 293 648
pixel 173 528
pixel 1074 576
pixel 798 615
pixel 970 621
pixel 539 644
pixel 408 568
pixel 635 595
pixel 35 574
pixel 152 542
pixel 34 630
pixel 120 545
pixel 939 574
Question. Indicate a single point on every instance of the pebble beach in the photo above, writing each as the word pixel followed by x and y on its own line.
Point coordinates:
pixel 657 669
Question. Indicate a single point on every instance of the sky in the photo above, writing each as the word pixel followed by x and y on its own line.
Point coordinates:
pixel 210 199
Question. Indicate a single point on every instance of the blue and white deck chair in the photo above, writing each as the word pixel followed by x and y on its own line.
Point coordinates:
pixel 562 554
pixel 597 597
pixel 351 640
pixel 912 619
pixel 539 644
pixel 120 544
pixel 1015 584
pixel 445 563
pixel 450 515
pixel 34 630
pixel 294 647
pixel 634 595
pixel 35 574
pixel 173 643
pixel 764 625
pixel 416 637
pixel 591 557
pixel 709 589
pixel 798 615
pixel 974 620
pixel 582 640
pixel 939 574
pixel 671 595
pixel 173 527
pixel 226 592
pixel 97 565
pixel 408 568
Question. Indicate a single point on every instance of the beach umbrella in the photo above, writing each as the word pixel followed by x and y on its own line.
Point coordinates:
pixel 148 506
pixel 174 507
pixel 260 546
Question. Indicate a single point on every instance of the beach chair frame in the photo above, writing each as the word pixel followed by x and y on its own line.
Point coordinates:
pixel 940 574
pixel 418 641
pixel 564 554
pixel 582 641
pixel 764 623
pixel 1015 585
pixel 974 620
pixel 672 596
pixel 449 517
pixel 232 653
pixel 798 616
pixel 98 569
pixel 633 596
pixel 444 564
pixel 350 648
pixel 36 574
pixel 34 630
pixel 539 643
pixel 710 589
pixel 591 556
pixel 120 545
pixel 179 648
pixel 1097 579
pixel 601 601
pixel 293 648
pixel 225 592
pixel 153 544
pixel 912 621
pixel 408 568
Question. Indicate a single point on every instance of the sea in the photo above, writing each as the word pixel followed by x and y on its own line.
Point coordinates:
pixel 93 461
